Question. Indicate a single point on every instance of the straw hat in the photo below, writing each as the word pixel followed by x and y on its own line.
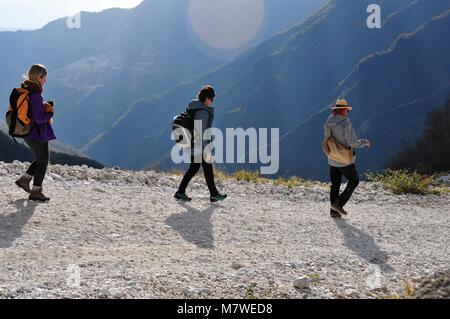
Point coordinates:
pixel 341 104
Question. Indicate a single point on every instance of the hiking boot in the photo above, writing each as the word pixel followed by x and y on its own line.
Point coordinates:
pixel 334 214
pixel 218 197
pixel 338 208
pixel 182 197
pixel 24 183
pixel 38 196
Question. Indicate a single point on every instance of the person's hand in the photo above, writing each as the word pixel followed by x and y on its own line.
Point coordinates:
pixel 207 157
pixel 49 107
pixel 367 143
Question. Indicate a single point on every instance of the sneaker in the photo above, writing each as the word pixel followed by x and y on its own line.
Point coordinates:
pixel 338 208
pixel 182 197
pixel 38 196
pixel 218 197
pixel 24 183
pixel 334 214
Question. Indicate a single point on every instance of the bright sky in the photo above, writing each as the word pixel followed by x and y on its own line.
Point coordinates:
pixel 33 14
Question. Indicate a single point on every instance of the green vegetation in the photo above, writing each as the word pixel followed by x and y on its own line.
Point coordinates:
pixel 431 152
pixel 254 177
pixel 408 291
pixel 248 176
pixel 314 277
pixel 289 182
pixel 406 182
pixel 250 293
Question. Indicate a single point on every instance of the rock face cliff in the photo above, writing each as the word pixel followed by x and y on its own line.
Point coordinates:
pixel 120 234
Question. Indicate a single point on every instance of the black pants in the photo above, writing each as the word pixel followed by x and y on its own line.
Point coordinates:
pixel 39 166
pixel 193 170
pixel 336 173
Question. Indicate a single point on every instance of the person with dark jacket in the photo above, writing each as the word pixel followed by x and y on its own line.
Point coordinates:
pixel 201 152
pixel 41 133
pixel 344 134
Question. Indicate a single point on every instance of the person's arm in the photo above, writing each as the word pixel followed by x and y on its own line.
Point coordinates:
pixel 37 110
pixel 201 125
pixel 350 137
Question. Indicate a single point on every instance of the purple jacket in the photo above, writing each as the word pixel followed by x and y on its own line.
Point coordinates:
pixel 41 131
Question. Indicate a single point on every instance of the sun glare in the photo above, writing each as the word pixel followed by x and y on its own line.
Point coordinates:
pixel 226 24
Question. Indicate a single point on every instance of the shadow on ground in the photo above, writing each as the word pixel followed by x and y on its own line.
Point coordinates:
pixel 194 225
pixel 363 245
pixel 11 225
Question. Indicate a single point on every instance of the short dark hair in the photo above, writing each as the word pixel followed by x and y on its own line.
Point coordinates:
pixel 207 92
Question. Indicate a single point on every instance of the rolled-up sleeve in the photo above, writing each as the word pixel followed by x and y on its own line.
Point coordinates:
pixel 350 136
pixel 37 109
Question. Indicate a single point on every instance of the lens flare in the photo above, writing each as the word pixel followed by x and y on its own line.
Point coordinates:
pixel 228 24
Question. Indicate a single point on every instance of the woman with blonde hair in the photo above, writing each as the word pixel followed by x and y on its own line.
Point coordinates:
pixel 41 133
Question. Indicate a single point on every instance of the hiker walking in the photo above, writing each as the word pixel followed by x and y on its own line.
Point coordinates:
pixel 203 116
pixel 40 133
pixel 339 144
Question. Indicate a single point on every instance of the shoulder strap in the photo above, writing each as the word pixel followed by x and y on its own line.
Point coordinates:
pixel 191 111
pixel 27 98
pixel 328 131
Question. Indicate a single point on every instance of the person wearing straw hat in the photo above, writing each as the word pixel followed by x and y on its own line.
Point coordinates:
pixel 339 128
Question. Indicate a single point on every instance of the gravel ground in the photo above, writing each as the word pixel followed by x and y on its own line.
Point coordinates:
pixel 436 287
pixel 119 234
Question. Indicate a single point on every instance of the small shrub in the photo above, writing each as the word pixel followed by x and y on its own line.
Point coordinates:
pixel 404 182
pixel 442 190
pixel 250 292
pixel 292 182
pixel 220 175
pixel 409 289
pixel 314 277
pixel 254 177
pixel 248 176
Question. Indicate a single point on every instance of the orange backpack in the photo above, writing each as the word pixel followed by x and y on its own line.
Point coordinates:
pixel 18 116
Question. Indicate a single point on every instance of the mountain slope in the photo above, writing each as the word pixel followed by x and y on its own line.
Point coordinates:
pixel 119 56
pixel 390 107
pixel 285 81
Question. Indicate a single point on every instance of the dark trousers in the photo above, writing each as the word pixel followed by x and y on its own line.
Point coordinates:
pixel 39 166
pixel 336 173
pixel 193 170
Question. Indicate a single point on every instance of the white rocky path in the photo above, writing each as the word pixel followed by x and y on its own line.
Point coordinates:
pixel 118 234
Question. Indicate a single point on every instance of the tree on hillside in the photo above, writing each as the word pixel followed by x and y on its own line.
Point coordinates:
pixel 431 152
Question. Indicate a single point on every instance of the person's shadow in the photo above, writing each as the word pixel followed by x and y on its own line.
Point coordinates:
pixel 363 245
pixel 194 225
pixel 11 224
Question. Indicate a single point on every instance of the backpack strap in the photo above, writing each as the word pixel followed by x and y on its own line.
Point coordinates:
pixel 328 131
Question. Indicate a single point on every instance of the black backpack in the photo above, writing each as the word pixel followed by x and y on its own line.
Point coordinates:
pixel 183 128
